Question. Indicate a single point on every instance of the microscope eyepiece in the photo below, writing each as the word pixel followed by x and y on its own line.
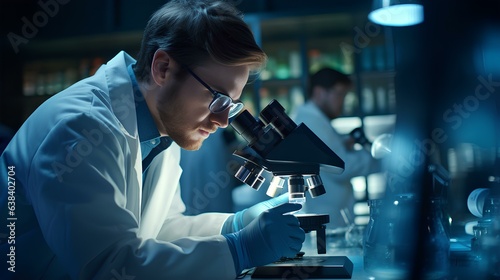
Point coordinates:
pixel 246 125
pixel 275 115
pixel 259 138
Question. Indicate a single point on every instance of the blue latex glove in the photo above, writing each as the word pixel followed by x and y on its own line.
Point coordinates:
pixel 268 238
pixel 246 216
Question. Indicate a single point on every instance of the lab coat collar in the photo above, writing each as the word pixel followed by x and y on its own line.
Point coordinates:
pixel 121 92
pixel 122 102
pixel 145 123
pixel 164 172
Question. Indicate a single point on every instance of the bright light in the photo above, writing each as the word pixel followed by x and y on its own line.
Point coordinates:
pixel 359 184
pixel 346 125
pixel 398 15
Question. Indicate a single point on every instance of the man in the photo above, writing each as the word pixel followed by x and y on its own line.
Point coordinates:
pixel 90 181
pixel 327 90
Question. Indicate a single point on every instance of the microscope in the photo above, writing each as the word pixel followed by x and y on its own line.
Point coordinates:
pixel 276 144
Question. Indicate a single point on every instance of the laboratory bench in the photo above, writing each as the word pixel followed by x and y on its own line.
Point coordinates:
pixel 336 246
pixel 462 263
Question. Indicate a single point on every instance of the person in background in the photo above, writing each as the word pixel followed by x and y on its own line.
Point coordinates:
pixel 327 90
pixel 91 180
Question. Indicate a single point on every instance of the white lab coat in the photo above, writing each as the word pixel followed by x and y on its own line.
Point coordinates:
pixel 339 191
pixel 79 205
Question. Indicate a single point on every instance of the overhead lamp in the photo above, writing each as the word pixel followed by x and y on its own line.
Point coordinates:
pixel 397 12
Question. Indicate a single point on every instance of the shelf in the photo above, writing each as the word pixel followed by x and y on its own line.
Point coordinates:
pixel 284 60
pixel 376 75
pixel 83 45
pixel 295 46
pixel 288 96
pixel 46 77
pixel 281 82
pixel 327 51
pixel 314 26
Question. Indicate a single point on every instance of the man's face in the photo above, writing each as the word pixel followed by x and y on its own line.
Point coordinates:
pixel 334 100
pixel 183 103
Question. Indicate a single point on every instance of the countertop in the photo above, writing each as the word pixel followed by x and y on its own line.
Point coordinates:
pixel 463 264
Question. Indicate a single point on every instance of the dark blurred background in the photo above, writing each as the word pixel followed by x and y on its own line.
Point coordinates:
pixel 418 80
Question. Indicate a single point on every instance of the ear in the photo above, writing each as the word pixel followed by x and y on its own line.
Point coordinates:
pixel 161 67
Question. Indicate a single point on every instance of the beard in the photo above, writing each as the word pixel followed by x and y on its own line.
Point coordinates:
pixel 178 130
pixel 183 131
pixel 178 118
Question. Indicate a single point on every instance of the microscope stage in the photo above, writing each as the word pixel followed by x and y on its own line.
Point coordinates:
pixel 308 267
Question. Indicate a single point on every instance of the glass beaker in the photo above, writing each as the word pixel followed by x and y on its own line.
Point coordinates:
pixel 436 241
pixel 392 234
pixel 387 250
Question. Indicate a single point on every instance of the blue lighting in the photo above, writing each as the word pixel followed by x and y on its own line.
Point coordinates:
pixel 397 15
pixel 488 53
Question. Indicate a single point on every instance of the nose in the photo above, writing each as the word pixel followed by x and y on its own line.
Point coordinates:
pixel 220 119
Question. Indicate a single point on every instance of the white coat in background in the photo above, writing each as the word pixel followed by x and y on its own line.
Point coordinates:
pixel 79 199
pixel 339 191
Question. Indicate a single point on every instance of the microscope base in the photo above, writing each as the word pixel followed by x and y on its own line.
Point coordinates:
pixel 308 267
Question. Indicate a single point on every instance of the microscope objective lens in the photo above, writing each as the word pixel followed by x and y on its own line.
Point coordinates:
pixel 298 200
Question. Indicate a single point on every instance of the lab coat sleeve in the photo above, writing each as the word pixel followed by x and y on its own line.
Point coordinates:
pixel 77 188
pixel 177 224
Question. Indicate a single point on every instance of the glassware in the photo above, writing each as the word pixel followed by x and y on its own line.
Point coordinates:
pixel 392 234
pixel 354 235
pixel 436 241
pixel 485 244
pixel 386 253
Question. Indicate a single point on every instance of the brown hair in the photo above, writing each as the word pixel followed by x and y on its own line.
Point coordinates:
pixel 194 31
pixel 327 78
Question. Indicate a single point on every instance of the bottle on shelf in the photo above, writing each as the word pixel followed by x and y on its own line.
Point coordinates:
pixel 366 59
pixel 282 68
pixel 70 76
pixel 381 99
pixel 29 83
pixel 350 104
pixel 347 63
pixel 368 100
pixel 391 97
pixel 379 58
pixel 315 64
pixel 295 64
pixel 41 84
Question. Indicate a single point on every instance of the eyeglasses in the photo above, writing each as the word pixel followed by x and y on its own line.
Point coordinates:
pixel 221 101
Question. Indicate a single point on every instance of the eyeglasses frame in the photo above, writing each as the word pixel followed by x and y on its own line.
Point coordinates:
pixel 216 94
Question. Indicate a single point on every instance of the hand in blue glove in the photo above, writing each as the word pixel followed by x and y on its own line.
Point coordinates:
pixel 244 217
pixel 266 239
